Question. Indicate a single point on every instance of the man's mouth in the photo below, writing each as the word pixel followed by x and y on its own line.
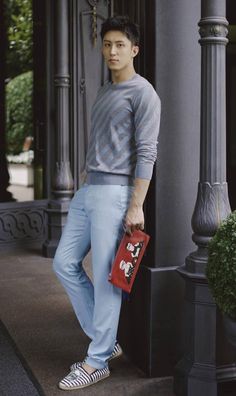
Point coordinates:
pixel 113 60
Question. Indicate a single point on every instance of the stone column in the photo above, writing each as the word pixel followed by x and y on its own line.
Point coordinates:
pixel 63 181
pixel 196 373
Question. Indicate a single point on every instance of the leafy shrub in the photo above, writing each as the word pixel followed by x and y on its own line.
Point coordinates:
pixel 221 267
pixel 19 125
pixel 19 23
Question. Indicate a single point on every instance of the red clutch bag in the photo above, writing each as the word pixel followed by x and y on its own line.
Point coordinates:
pixel 127 260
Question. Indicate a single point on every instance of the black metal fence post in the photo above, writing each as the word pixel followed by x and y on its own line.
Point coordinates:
pixel 63 185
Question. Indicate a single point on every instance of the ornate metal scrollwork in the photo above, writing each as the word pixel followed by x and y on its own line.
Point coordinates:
pixel 213 30
pixel 93 4
pixel 82 85
pixel 62 81
pixel 211 208
pixel 22 223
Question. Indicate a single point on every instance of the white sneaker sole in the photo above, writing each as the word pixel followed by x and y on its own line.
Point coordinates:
pixel 65 388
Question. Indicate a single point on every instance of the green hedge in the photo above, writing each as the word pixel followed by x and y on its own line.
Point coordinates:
pixel 221 267
pixel 19 125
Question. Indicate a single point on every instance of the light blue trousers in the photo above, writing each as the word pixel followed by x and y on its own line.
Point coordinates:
pixel 95 221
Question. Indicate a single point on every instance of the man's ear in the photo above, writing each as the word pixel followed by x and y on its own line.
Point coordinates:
pixel 135 50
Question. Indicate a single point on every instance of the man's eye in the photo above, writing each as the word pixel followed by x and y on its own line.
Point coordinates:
pixel 120 45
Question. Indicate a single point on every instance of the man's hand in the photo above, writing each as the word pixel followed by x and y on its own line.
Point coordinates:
pixel 134 219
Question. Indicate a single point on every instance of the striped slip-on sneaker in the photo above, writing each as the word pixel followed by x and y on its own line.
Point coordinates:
pixel 79 378
pixel 117 351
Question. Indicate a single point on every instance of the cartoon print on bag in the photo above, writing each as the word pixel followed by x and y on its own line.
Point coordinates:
pixel 129 266
pixel 128 269
pixel 134 249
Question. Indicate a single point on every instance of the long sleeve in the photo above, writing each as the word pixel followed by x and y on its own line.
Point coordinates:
pixel 147 111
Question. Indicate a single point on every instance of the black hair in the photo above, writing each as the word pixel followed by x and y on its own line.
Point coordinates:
pixel 124 25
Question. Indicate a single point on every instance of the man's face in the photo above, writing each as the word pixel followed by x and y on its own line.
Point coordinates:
pixel 118 51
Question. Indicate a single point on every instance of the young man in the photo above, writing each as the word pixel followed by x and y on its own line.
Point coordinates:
pixel 122 151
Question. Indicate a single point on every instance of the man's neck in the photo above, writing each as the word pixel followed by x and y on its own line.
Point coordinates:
pixel 121 76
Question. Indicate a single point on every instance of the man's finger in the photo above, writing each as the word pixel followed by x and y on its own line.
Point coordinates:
pixel 139 226
pixel 128 230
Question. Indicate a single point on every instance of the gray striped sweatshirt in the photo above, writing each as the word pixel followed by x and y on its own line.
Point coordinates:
pixel 124 129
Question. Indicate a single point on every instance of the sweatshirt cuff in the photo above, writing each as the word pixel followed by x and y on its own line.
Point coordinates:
pixel 144 171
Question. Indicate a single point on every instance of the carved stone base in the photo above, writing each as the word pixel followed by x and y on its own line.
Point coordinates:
pixel 193 380
pixel 21 223
pixel 205 345
pixel 195 374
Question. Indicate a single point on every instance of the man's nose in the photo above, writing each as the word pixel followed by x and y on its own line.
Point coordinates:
pixel 113 50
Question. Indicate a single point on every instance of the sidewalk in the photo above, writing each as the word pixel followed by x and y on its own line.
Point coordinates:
pixel 39 318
